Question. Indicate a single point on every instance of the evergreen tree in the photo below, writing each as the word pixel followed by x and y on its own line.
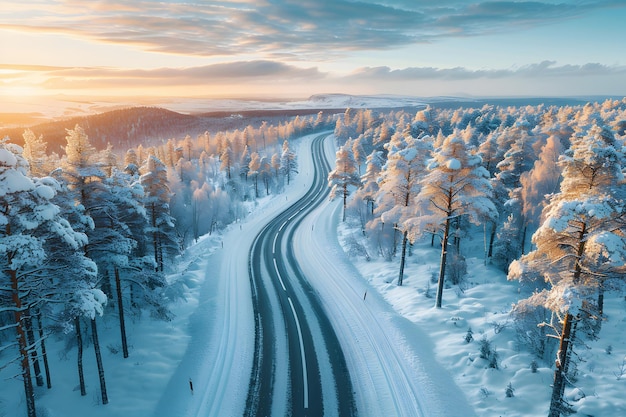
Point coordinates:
pixel 156 202
pixel 580 246
pixel 28 218
pixel 85 183
pixel 516 162
pixel 254 168
pixel 366 194
pixel 344 176
pixel 399 184
pixel 265 173
pixel 288 162
pixel 456 185
pixel 227 161
pixel 35 153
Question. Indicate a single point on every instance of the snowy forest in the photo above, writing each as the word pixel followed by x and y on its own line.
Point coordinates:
pixel 542 188
pixel 92 233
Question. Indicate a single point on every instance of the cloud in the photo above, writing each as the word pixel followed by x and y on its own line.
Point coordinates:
pixel 233 73
pixel 280 28
pixel 540 70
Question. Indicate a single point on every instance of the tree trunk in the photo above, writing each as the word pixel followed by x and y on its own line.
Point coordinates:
pixel 442 264
pixel 22 343
pixel 256 186
pixel 155 239
pixel 32 342
pixel 600 302
pixel 457 235
pixel 524 231
pixel 560 372
pixel 105 285
pixel 345 200
pixel 402 259
pixel 96 348
pixel 395 238
pixel 44 353
pixel 120 309
pixel 492 238
pixel 79 343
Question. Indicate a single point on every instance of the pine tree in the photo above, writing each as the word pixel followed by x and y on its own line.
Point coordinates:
pixel 344 176
pixel 85 182
pixel 366 194
pixel 244 164
pixel 580 246
pixel 288 162
pixel 227 161
pixel 254 167
pixel 456 185
pixel 515 164
pixel 265 173
pixel 156 202
pixel 399 184
pixel 28 218
pixel 35 153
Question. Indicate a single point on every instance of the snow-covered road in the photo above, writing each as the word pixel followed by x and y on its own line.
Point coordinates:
pixel 294 337
pixel 391 363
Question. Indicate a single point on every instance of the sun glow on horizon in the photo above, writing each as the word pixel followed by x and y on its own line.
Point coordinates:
pixel 17 91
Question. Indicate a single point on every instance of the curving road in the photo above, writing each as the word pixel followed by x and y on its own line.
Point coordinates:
pixel 276 354
pixel 299 368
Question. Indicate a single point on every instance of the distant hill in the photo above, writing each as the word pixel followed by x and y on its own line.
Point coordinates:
pixel 130 127
pixel 120 128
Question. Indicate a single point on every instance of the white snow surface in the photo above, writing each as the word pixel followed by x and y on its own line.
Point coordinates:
pixel 64 106
pixel 405 356
pixel 453 164
pixel 483 304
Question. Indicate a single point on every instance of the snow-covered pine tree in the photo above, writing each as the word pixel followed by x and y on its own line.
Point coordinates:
pixel 120 221
pixel 275 164
pixel 227 161
pixel 366 194
pixel 580 246
pixel 254 167
pixel 399 184
pixel 244 164
pixel 517 160
pixel 288 162
pixel 131 163
pixel 28 218
pixel 344 176
pixel 156 202
pixel 265 173
pixel 541 181
pixel 359 152
pixel 35 154
pixel 456 185
pixel 199 203
pixel 84 180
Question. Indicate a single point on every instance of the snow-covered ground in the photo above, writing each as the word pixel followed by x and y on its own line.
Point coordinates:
pixel 424 351
pixel 63 106
pixel 484 305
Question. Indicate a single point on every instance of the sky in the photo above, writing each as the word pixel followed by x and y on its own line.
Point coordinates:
pixel 296 48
